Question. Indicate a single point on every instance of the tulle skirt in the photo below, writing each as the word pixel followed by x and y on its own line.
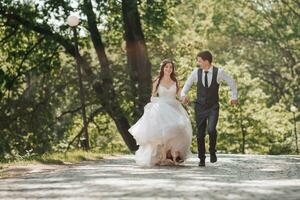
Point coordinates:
pixel 164 126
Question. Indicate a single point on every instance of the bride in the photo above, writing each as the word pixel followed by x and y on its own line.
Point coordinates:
pixel 164 132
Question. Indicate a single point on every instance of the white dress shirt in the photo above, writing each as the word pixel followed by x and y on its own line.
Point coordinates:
pixel 222 76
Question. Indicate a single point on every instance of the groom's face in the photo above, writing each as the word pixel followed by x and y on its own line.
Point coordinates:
pixel 200 62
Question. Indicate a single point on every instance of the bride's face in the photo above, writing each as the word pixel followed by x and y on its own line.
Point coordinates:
pixel 168 69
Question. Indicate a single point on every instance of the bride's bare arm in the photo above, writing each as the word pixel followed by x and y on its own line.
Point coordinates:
pixel 154 91
pixel 179 91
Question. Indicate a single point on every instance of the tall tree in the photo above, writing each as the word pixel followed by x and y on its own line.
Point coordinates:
pixel 13 15
pixel 264 34
pixel 139 67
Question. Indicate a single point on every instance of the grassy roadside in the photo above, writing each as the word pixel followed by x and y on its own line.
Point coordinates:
pixel 57 158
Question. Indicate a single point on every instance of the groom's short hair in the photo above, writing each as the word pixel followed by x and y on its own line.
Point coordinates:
pixel 205 55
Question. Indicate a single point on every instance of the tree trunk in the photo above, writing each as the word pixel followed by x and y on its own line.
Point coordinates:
pixel 138 64
pixel 104 89
pixel 242 130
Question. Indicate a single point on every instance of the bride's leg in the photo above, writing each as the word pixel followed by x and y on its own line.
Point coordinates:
pixel 177 157
pixel 169 155
pixel 168 159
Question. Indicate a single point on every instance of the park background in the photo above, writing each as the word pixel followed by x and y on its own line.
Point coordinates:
pixel 121 44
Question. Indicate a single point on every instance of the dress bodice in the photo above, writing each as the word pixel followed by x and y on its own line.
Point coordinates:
pixel 167 92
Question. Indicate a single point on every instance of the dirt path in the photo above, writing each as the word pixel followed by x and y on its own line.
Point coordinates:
pixel 232 177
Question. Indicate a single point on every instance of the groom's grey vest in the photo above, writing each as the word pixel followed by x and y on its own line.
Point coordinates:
pixel 208 97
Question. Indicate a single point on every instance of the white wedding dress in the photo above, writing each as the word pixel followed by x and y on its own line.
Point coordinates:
pixel 164 126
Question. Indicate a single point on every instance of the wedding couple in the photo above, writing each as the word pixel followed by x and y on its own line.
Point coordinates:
pixel 164 132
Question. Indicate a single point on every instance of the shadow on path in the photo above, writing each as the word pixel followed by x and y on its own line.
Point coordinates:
pixel 232 177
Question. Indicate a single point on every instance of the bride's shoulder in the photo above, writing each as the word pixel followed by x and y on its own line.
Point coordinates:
pixel 155 81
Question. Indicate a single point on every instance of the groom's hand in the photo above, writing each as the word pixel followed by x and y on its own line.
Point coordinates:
pixel 233 102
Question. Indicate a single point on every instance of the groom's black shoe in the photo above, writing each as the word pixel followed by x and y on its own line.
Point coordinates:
pixel 202 163
pixel 213 158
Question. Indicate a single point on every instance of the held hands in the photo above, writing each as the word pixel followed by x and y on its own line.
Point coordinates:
pixel 185 100
pixel 233 102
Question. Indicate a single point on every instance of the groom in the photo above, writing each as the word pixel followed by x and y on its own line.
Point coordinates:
pixel 207 78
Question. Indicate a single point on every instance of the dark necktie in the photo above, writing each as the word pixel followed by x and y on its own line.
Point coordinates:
pixel 205 79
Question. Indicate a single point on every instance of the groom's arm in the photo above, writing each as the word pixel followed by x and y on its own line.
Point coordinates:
pixel 223 76
pixel 189 82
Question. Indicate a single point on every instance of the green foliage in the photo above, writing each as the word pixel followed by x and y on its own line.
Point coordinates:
pixel 262 128
pixel 257 42
pixel 268 79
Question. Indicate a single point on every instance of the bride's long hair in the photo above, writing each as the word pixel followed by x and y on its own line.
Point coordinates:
pixel 161 73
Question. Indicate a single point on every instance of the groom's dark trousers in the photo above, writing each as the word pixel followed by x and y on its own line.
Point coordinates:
pixel 207 112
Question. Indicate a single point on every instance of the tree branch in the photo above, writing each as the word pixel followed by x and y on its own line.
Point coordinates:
pixel 90 119
pixel 9 35
pixel 288 5
pixel 73 110
pixel 45 30
pixel 29 51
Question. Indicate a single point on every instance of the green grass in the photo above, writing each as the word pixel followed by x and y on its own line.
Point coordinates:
pixel 56 158
pixel 69 157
